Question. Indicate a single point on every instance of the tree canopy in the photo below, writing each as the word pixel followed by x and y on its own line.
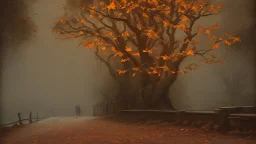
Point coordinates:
pixel 140 36
pixel 131 30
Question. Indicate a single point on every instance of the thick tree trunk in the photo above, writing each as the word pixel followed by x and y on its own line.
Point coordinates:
pixel 164 102
pixel 159 98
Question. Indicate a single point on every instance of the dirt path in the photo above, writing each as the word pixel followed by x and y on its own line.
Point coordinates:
pixel 87 130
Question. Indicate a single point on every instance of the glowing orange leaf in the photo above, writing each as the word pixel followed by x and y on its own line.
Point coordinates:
pixel 187 41
pixel 120 14
pixel 103 48
pixel 119 54
pixel 154 71
pixel 124 60
pixel 151 34
pixel 126 34
pixel 145 15
pixel 112 6
pixel 194 8
pixel 128 49
pixel 190 52
pixel 181 72
pixel 216 45
pixel 135 69
pixel 165 68
pixel 121 71
pixel 113 50
pixel 227 42
pixel 184 18
pixel 136 54
pixel 91 45
pixel 81 33
pixel 82 20
pixel 166 24
pixel 182 26
pixel 63 21
pixel 208 31
pixel 236 39
pixel 147 51
pixel 165 57
pixel 100 16
pixel 101 3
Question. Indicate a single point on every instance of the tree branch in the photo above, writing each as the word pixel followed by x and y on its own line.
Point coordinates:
pixel 133 28
pixel 111 71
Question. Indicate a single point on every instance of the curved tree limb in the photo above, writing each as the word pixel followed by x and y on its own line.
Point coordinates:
pixel 112 72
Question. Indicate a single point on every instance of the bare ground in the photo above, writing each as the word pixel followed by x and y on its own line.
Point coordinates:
pixel 88 130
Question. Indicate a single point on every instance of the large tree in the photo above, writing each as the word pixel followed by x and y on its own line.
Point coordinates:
pixel 138 41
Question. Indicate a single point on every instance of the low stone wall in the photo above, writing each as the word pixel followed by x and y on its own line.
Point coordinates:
pixel 246 109
pixel 199 118
pixel 151 114
pixel 223 119
pixel 242 121
pixel 183 117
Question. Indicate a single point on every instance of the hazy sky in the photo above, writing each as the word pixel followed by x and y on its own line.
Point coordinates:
pixel 47 73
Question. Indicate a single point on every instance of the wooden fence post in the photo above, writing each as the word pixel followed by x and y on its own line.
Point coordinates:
pixel 37 116
pixel 19 117
pixel 30 117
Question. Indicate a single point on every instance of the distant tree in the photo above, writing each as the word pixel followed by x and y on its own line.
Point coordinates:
pixel 16 24
pixel 137 41
pixel 235 74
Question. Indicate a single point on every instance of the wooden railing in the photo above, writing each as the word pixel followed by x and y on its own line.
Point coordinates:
pixel 20 120
pixel 107 108
pixel 110 108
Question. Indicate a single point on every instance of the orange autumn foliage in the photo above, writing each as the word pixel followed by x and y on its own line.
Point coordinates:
pixel 131 30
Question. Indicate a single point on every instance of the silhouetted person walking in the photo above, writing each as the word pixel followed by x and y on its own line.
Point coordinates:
pixel 78 110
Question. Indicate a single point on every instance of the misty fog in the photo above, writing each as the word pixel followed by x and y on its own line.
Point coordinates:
pixel 47 75
pixel 51 76
pixel 204 88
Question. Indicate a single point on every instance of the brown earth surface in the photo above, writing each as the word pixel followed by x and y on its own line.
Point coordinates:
pixel 89 130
